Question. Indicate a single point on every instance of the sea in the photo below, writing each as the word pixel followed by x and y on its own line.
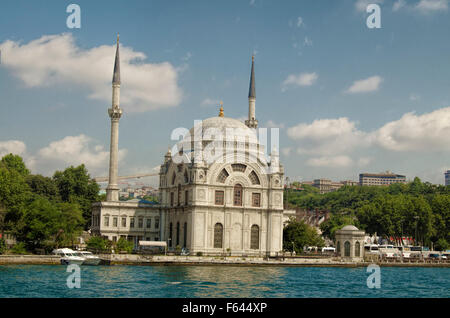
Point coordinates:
pixel 58 281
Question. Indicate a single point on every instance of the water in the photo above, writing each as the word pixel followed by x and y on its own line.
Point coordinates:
pixel 221 281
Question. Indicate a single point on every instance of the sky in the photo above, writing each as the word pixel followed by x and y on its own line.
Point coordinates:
pixel 347 98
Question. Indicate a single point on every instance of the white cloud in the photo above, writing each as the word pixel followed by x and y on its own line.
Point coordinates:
pixel 327 136
pixel 299 22
pixel 366 85
pixel 302 79
pixel 15 147
pixel 428 6
pixel 286 151
pixel 74 150
pixel 361 5
pixel 209 102
pixel 333 161
pixel 398 5
pixel 364 161
pixel 272 124
pixel 56 60
pixel 427 132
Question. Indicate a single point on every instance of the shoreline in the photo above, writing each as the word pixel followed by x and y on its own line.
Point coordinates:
pixel 141 260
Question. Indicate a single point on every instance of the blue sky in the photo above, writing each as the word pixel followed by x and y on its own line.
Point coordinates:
pixel 347 99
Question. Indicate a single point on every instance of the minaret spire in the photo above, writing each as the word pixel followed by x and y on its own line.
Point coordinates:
pixel 116 74
pixel 112 191
pixel 252 122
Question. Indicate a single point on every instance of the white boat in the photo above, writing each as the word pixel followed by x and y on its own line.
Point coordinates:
pixel 68 256
pixel 89 258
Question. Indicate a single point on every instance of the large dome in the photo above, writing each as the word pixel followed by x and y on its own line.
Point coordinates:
pixel 226 136
pixel 230 129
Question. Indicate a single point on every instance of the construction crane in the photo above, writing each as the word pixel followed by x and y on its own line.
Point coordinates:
pixel 135 176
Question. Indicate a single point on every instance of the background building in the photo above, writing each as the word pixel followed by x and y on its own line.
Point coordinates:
pixel 447 178
pixel 380 179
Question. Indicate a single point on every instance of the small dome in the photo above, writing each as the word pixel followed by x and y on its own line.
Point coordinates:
pixel 350 228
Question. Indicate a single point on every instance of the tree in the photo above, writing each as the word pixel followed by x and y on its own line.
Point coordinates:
pixel 15 162
pixel 43 186
pixel 336 222
pixel 39 225
pixel 76 186
pixel 298 234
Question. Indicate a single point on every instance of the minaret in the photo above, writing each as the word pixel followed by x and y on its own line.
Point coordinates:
pixel 112 191
pixel 252 122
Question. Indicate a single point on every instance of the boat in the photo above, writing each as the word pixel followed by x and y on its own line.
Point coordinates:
pixel 68 256
pixel 89 258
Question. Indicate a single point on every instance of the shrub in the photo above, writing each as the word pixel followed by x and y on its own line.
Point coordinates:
pixel 99 244
pixel 199 253
pixel 124 245
pixel 19 248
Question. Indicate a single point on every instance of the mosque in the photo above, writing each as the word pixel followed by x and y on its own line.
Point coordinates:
pixel 218 192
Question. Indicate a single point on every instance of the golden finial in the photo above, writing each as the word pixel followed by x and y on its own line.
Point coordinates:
pixel 117 37
pixel 221 109
pixel 253 57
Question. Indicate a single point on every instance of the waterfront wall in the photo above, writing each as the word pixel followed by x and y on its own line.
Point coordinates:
pixel 29 259
pixel 134 259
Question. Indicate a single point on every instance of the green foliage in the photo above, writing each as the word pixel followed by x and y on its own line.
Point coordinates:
pixel 298 234
pixel 43 186
pixel 47 225
pixel 441 245
pixel 76 186
pixel 336 222
pixel 99 244
pixel 395 210
pixel 2 246
pixel 15 163
pixel 123 245
pixel 19 248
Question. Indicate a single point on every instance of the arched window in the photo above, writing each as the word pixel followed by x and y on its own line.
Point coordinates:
pixel 179 195
pixel 254 237
pixel 347 249
pixel 238 167
pixel 254 178
pixel 218 235
pixel 237 195
pixel 338 248
pixel 223 175
pixel 357 249
pixel 186 177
